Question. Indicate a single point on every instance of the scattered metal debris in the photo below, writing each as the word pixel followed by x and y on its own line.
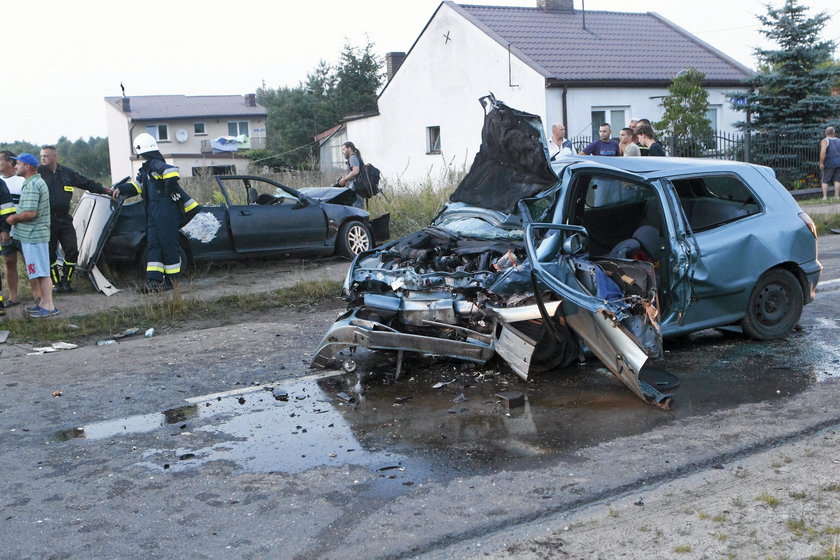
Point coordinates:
pixel 511 399
pixel 440 384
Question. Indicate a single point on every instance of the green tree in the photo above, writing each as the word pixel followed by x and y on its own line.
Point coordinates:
pixel 296 114
pixel 89 157
pixel 684 118
pixel 792 88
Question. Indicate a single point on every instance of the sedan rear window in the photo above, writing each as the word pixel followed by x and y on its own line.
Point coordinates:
pixel 712 201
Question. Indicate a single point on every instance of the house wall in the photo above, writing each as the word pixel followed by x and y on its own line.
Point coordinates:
pixel 185 155
pixel 119 143
pixel 636 102
pixel 439 85
pixel 332 163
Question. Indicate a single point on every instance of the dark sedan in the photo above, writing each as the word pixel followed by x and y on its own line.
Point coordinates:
pixel 255 218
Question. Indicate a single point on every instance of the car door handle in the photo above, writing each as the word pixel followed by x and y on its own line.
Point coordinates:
pixel 244 213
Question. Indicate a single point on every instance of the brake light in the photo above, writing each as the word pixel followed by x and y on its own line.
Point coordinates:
pixel 808 222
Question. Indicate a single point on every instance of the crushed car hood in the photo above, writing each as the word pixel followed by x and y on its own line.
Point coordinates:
pixel 512 163
pixel 480 282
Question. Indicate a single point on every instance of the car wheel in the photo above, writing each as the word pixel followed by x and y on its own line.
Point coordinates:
pixel 774 307
pixel 550 353
pixel 353 238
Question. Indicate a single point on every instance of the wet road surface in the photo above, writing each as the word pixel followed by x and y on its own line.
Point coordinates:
pixel 338 467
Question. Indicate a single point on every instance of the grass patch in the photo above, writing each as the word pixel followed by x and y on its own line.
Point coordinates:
pixel 769 500
pixel 719 518
pixel 682 549
pixel 798 495
pixel 165 310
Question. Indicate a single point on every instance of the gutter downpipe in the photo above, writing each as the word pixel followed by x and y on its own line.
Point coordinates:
pixel 565 109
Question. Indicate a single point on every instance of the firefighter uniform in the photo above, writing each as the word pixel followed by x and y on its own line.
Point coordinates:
pixel 7 208
pixel 157 182
pixel 61 183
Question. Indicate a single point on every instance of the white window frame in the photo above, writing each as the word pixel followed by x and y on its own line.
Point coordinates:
pixel 714 120
pixel 609 111
pixel 433 139
pixel 156 129
pixel 203 129
pixel 238 125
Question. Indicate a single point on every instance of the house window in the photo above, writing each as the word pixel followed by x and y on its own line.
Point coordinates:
pixel 159 131
pixel 432 139
pixel 198 128
pixel 237 128
pixel 712 115
pixel 614 116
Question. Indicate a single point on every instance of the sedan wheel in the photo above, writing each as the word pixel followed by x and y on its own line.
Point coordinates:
pixel 774 307
pixel 353 238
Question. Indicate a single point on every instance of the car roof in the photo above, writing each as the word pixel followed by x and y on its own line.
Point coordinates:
pixel 654 167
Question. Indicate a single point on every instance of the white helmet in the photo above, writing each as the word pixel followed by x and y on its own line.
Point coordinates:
pixel 145 143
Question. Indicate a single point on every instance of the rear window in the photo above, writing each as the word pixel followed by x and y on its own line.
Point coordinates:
pixel 712 201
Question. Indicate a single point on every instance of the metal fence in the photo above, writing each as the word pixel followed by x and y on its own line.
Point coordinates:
pixel 794 156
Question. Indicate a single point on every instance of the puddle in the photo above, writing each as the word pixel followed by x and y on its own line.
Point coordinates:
pixel 409 430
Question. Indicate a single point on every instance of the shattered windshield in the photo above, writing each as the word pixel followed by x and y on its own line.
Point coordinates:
pixel 477 228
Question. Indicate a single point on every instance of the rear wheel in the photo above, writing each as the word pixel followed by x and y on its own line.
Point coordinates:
pixel 774 307
pixel 353 238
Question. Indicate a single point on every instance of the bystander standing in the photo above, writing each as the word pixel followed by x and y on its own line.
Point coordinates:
pixel 830 162
pixel 604 146
pixel 32 228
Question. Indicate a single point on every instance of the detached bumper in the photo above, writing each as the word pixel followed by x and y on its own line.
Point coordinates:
pixel 349 331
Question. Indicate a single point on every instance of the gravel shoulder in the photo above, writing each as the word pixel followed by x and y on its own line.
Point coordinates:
pixel 780 503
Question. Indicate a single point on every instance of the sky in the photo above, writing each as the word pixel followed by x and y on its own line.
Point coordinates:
pixel 62 62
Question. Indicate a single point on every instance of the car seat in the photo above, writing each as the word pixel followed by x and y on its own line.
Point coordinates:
pixel 642 246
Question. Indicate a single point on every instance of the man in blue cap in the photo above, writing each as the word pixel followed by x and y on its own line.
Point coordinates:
pixel 32 228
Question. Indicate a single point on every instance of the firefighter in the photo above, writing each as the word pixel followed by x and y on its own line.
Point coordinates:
pixel 157 183
pixel 61 180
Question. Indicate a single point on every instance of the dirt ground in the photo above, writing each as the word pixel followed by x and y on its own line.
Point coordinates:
pixel 782 503
pixel 204 284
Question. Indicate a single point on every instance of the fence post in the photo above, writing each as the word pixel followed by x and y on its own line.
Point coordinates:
pixel 747 155
pixel 672 145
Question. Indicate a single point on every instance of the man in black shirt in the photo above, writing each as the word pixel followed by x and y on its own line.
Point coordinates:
pixel 61 181
pixel 647 138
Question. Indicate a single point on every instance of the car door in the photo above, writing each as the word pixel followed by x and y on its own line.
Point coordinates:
pixel 267 217
pixel 612 204
pixel 620 331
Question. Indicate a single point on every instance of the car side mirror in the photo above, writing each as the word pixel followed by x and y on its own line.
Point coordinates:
pixel 575 244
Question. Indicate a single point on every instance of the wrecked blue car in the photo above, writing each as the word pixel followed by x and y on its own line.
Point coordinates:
pixel 537 261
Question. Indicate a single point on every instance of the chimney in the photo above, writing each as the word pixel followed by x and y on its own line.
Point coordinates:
pixel 250 99
pixel 126 104
pixel 557 6
pixel 393 61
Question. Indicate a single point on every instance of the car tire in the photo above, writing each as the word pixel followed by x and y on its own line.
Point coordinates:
pixel 353 238
pixel 774 307
pixel 186 262
pixel 551 354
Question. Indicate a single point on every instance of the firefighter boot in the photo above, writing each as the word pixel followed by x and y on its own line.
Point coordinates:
pixel 55 274
pixel 67 274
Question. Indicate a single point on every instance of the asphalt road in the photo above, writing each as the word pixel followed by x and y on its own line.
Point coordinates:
pixel 221 443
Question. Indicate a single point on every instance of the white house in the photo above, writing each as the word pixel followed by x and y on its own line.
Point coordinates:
pixel 566 65
pixel 187 129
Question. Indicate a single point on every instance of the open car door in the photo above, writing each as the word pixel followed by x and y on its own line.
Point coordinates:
pixel 611 304
pixel 93 220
